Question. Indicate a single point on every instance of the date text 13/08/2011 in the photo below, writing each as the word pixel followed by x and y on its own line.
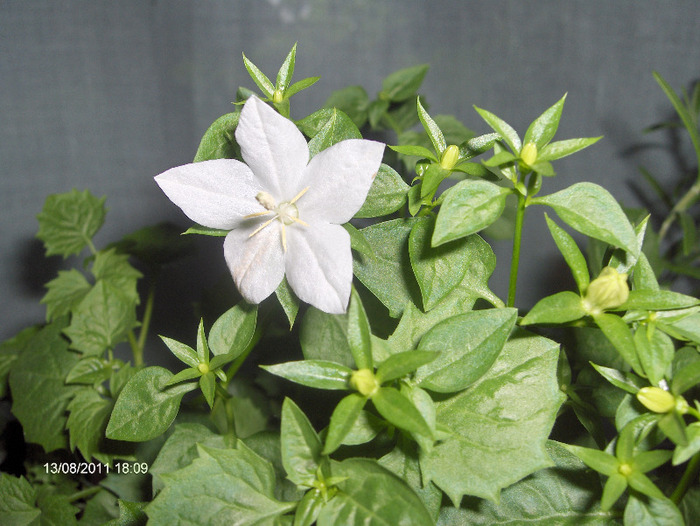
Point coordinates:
pixel 95 468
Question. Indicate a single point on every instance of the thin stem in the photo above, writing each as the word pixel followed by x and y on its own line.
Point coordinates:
pixel 691 473
pixel 681 206
pixel 80 495
pixel 517 238
pixel 145 323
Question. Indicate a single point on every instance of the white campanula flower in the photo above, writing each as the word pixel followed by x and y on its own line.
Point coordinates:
pixel 283 210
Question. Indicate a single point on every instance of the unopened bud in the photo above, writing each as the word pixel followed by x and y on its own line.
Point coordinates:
pixel 278 96
pixel 528 154
pixel 449 157
pixel 203 368
pixel 607 291
pixel 364 382
pixel 656 399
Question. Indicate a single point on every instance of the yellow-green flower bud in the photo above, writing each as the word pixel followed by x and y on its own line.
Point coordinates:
pixel 203 368
pixel 278 96
pixel 607 291
pixel 624 469
pixel 656 399
pixel 449 157
pixel 528 154
pixel 364 382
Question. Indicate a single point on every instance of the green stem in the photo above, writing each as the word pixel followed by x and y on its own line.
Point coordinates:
pixel 691 473
pixel 517 238
pixel 80 495
pixel 145 324
pixel 682 205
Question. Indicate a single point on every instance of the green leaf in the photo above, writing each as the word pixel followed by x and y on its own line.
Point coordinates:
pixel 64 293
pixel 655 352
pixel 469 206
pixel 115 269
pixel 102 319
pixel 620 335
pixel 683 453
pixel 657 300
pixel 432 176
pixel 9 351
pixel 673 426
pixel 400 364
pixel 688 121
pixel 431 128
pixel 284 75
pixel 415 150
pixel 182 352
pixel 324 337
pixel 615 486
pixel 601 461
pixel 625 381
pixel 359 333
pixel 308 508
pixel 388 275
pixel 233 331
pixel 371 494
pixel 222 486
pixel 558 149
pixel 358 242
pixel 206 231
pixel 327 127
pixel 353 101
pixel 505 130
pixel 564 494
pixel 403 84
pixel 438 270
pixel 219 141
pixel 685 378
pixel 648 460
pixel 259 77
pixel 561 307
pixel 343 420
pixel 130 514
pixel 400 411
pixel 643 484
pixel 144 410
pixel 543 128
pixel 572 254
pixel 300 86
pixel 468 344
pixel 288 300
pixel 500 424
pixel 40 395
pixel 90 370
pixel 156 245
pixel 87 422
pixel 207 384
pixel 386 195
pixel 367 426
pixel 17 503
pixel 319 374
pixel 301 447
pixel 651 512
pixel 591 210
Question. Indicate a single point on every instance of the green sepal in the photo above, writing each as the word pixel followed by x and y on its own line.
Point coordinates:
pixel 561 307
pixel 288 300
pixel 342 421
pixel 320 374
pixel 418 151
pixel 648 460
pixel 639 481
pixel 207 384
pixel 398 410
pixel 300 86
pixel 202 347
pixel 182 352
pixel 673 426
pixel 259 77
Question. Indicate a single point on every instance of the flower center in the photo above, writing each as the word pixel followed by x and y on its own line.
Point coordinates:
pixel 286 213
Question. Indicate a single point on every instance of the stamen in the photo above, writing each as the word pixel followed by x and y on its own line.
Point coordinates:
pixel 298 196
pixel 297 220
pixel 284 239
pixel 262 226
pixel 258 214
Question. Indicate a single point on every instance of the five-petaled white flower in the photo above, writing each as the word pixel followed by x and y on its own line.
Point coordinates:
pixel 283 211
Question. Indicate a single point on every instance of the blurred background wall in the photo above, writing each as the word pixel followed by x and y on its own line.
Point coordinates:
pixel 105 95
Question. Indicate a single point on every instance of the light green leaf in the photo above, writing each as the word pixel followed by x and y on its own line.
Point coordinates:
pixel 301 447
pixel 386 195
pixel 468 344
pixel 40 395
pixel 17 503
pixel 371 494
pixel 259 77
pixel 500 424
pixel 64 293
pixel 388 275
pixel 115 269
pixel 469 206
pixel 561 307
pixel 284 75
pixel 288 300
pixel 102 319
pixel 657 300
pixel 353 101
pixel 68 221
pixel 438 270
pixel 87 422
pixel 403 84
pixel 319 374
pixel 324 337
pixel 591 210
pixel 572 254
pixel 620 335
pixel 655 352
pixel 144 410
pixel 505 130
pixel 343 420
pixel 359 333
pixel 222 486
pixel 558 149
pixel 651 512
pixel 398 410
pixel 327 127
pixel 543 128
pixel 233 331
pixel 431 128
pixel 400 364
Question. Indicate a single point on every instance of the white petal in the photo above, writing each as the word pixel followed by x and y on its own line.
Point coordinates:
pixel 339 178
pixel 212 193
pixel 319 265
pixel 273 147
pixel 256 263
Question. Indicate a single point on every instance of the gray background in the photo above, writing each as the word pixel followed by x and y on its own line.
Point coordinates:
pixel 105 95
